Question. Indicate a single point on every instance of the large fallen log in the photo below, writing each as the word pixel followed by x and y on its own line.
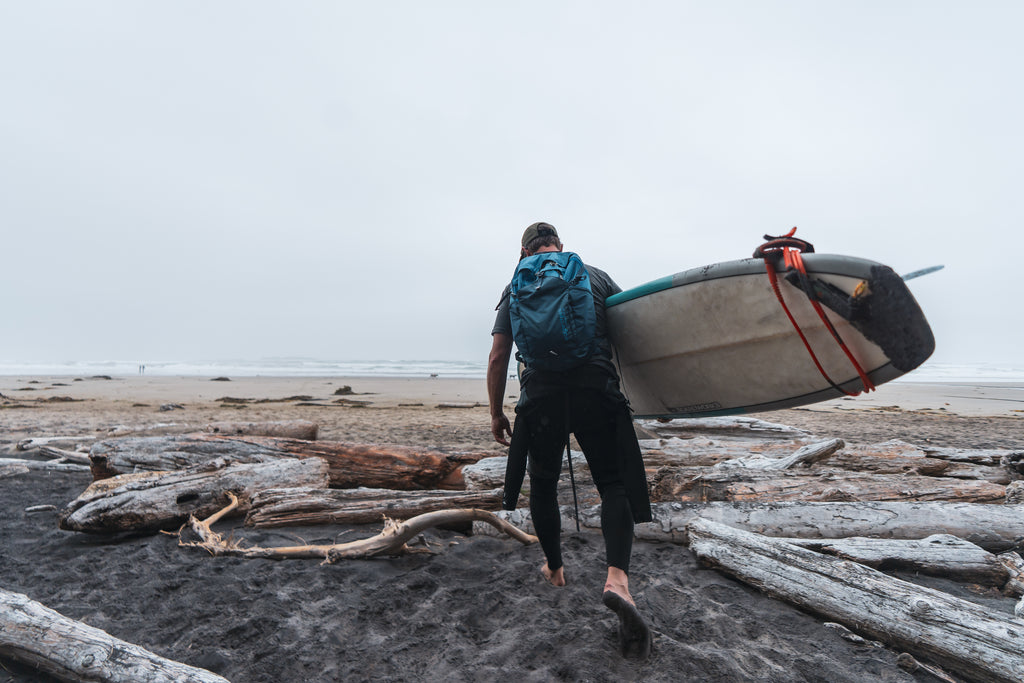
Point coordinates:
pixel 938 555
pixel 150 501
pixel 72 651
pixel 741 484
pixel 351 465
pixel 302 506
pixel 391 540
pixel 291 429
pixel 996 528
pixel 960 635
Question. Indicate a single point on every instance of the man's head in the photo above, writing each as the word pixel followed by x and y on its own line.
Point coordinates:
pixel 540 235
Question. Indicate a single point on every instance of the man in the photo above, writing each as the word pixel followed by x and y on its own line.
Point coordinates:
pixel 598 414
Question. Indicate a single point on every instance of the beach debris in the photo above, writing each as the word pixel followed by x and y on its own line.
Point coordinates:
pixel 1015 492
pixel 12 469
pixel 908 663
pixel 351 465
pixel 73 651
pixel 220 379
pixel 150 501
pixel 964 637
pixel 937 555
pixel 390 541
pixel 307 506
pixel 54 441
pixel 58 465
pixel 693 485
pixel 32 509
pixel 805 456
pixel 62 455
pixel 345 390
pixel 292 429
pixel 995 528
pixel 1015 568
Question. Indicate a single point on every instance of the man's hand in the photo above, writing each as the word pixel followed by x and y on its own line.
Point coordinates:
pixel 501 428
pixel 497 367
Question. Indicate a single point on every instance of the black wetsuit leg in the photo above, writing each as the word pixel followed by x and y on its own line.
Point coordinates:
pixel 546 424
pixel 593 424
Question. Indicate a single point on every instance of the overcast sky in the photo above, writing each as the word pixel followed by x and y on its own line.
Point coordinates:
pixel 237 180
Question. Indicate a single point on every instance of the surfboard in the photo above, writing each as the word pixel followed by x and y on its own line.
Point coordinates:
pixel 716 341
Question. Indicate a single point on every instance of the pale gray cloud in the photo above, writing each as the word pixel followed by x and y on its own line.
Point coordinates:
pixel 247 179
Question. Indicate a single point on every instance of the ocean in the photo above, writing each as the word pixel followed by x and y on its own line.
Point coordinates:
pixel 310 367
pixel 265 367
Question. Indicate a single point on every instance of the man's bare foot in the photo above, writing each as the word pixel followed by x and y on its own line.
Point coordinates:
pixel 634 636
pixel 555 578
pixel 618 583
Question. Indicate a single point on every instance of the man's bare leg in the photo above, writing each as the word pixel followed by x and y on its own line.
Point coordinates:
pixel 555 578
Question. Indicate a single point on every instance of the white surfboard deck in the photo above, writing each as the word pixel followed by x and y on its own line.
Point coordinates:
pixel 716 341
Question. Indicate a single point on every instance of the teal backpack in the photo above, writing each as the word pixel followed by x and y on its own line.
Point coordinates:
pixel 554 324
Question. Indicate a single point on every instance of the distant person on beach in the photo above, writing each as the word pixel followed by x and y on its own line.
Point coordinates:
pixel 588 397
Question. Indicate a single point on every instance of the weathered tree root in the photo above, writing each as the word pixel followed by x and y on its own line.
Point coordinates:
pixel 391 540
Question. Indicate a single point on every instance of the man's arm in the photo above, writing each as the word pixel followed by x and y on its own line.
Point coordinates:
pixel 497 369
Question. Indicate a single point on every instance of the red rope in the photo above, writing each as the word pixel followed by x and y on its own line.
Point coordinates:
pixel 793 260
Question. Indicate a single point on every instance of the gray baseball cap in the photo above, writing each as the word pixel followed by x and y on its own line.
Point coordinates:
pixel 538 230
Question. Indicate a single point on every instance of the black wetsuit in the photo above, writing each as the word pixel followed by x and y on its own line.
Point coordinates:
pixel 598 415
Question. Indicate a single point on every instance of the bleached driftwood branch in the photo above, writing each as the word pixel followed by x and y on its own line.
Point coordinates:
pixel 962 636
pixel 302 506
pixel 391 540
pixel 804 456
pixel 54 441
pixel 72 651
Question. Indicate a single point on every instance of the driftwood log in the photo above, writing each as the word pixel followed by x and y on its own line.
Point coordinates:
pixel 150 501
pixel 72 651
pixel 291 429
pixel 938 555
pixel 54 441
pixel 959 635
pixel 390 541
pixel 58 465
pixel 803 457
pixel 12 470
pixel 302 506
pixel 350 465
pixel 996 528
pixel 740 484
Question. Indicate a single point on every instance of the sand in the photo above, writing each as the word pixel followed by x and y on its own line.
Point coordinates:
pixel 462 609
